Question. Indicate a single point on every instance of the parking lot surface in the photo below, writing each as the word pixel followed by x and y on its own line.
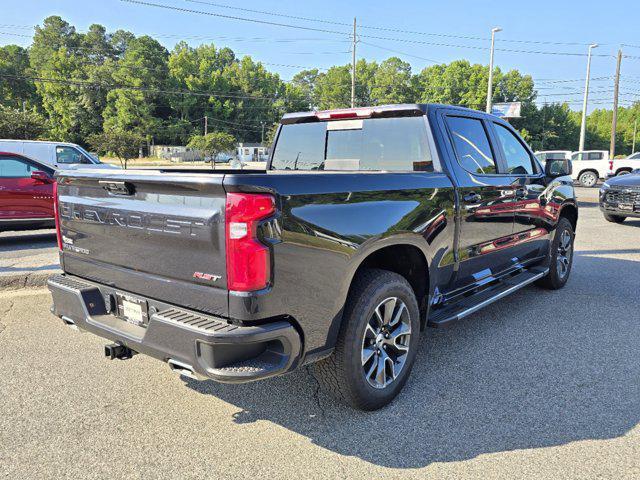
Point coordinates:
pixel 27 258
pixel 539 385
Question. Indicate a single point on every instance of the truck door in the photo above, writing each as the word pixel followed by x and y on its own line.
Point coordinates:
pixel 485 195
pixel 532 215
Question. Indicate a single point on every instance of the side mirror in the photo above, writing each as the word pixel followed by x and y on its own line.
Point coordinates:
pixel 558 168
pixel 41 176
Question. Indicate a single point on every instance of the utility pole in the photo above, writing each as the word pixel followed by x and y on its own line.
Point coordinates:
pixel 635 130
pixel 24 115
pixel 353 65
pixel 614 122
pixel 490 86
pixel 206 124
pixel 262 136
pixel 583 124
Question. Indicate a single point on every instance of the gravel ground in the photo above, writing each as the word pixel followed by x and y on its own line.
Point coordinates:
pixel 540 385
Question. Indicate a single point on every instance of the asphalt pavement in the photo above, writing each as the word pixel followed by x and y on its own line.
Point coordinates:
pixel 27 258
pixel 539 385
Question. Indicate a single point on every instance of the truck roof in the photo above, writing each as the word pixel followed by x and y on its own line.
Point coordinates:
pixel 378 111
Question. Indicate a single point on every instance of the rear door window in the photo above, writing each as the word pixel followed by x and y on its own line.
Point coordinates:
pixel 515 154
pixel 472 146
pixel 393 144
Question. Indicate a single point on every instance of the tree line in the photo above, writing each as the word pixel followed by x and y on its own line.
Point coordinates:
pixel 73 86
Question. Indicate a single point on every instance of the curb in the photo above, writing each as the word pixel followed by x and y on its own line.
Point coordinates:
pixel 31 279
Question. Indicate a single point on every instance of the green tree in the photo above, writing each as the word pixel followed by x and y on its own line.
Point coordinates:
pixel 14 88
pixel 72 67
pixel 551 127
pixel 125 145
pixel 333 88
pixel 393 83
pixel 22 125
pixel 212 144
pixel 137 103
pixel 306 81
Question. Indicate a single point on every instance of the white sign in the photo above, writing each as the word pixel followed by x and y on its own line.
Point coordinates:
pixel 507 110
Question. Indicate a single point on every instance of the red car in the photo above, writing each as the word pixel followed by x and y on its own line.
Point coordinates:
pixel 26 193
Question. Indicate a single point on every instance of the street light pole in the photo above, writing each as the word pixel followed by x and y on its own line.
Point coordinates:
pixel 490 86
pixel 353 65
pixel 583 124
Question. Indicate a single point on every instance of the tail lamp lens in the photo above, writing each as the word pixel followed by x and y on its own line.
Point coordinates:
pixel 248 260
pixel 56 214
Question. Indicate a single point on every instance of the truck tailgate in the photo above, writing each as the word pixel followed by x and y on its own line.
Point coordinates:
pixel 161 236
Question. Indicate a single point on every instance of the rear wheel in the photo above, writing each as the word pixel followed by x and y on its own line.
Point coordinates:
pixel 377 343
pixel 561 258
pixel 614 218
pixel 588 179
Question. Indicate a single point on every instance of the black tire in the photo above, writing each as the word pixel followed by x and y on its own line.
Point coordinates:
pixel 614 218
pixel 588 179
pixel 557 277
pixel 343 373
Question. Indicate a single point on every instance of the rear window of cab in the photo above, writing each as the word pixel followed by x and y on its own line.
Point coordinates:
pixel 373 144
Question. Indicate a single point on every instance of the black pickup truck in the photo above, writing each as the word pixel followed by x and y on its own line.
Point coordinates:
pixel 366 226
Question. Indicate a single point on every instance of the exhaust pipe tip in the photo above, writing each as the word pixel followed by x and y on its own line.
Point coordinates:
pixel 183 369
pixel 70 323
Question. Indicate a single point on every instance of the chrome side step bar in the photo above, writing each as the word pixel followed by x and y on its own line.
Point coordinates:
pixel 451 313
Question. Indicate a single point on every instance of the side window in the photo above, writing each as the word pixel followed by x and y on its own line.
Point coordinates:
pixel 472 145
pixel 70 155
pixel 516 155
pixel 595 156
pixel 15 168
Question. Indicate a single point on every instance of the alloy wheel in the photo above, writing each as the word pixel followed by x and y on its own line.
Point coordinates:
pixel 385 343
pixel 589 179
pixel 564 253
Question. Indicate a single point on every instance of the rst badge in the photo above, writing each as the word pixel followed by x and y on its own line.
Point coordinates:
pixel 206 276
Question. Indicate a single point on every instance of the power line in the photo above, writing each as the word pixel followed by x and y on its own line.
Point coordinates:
pixel 231 17
pixel 278 24
pixel 80 50
pixel 385 29
pixel 15 34
pixel 143 89
pixel 552 80
pixel 399 52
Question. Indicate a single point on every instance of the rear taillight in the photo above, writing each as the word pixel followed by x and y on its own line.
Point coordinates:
pixel 610 165
pixel 248 260
pixel 56 214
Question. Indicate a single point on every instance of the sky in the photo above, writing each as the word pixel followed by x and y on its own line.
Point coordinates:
pixel 420 32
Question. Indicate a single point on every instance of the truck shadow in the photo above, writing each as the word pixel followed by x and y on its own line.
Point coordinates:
pixel 532 371
pixel 27 241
